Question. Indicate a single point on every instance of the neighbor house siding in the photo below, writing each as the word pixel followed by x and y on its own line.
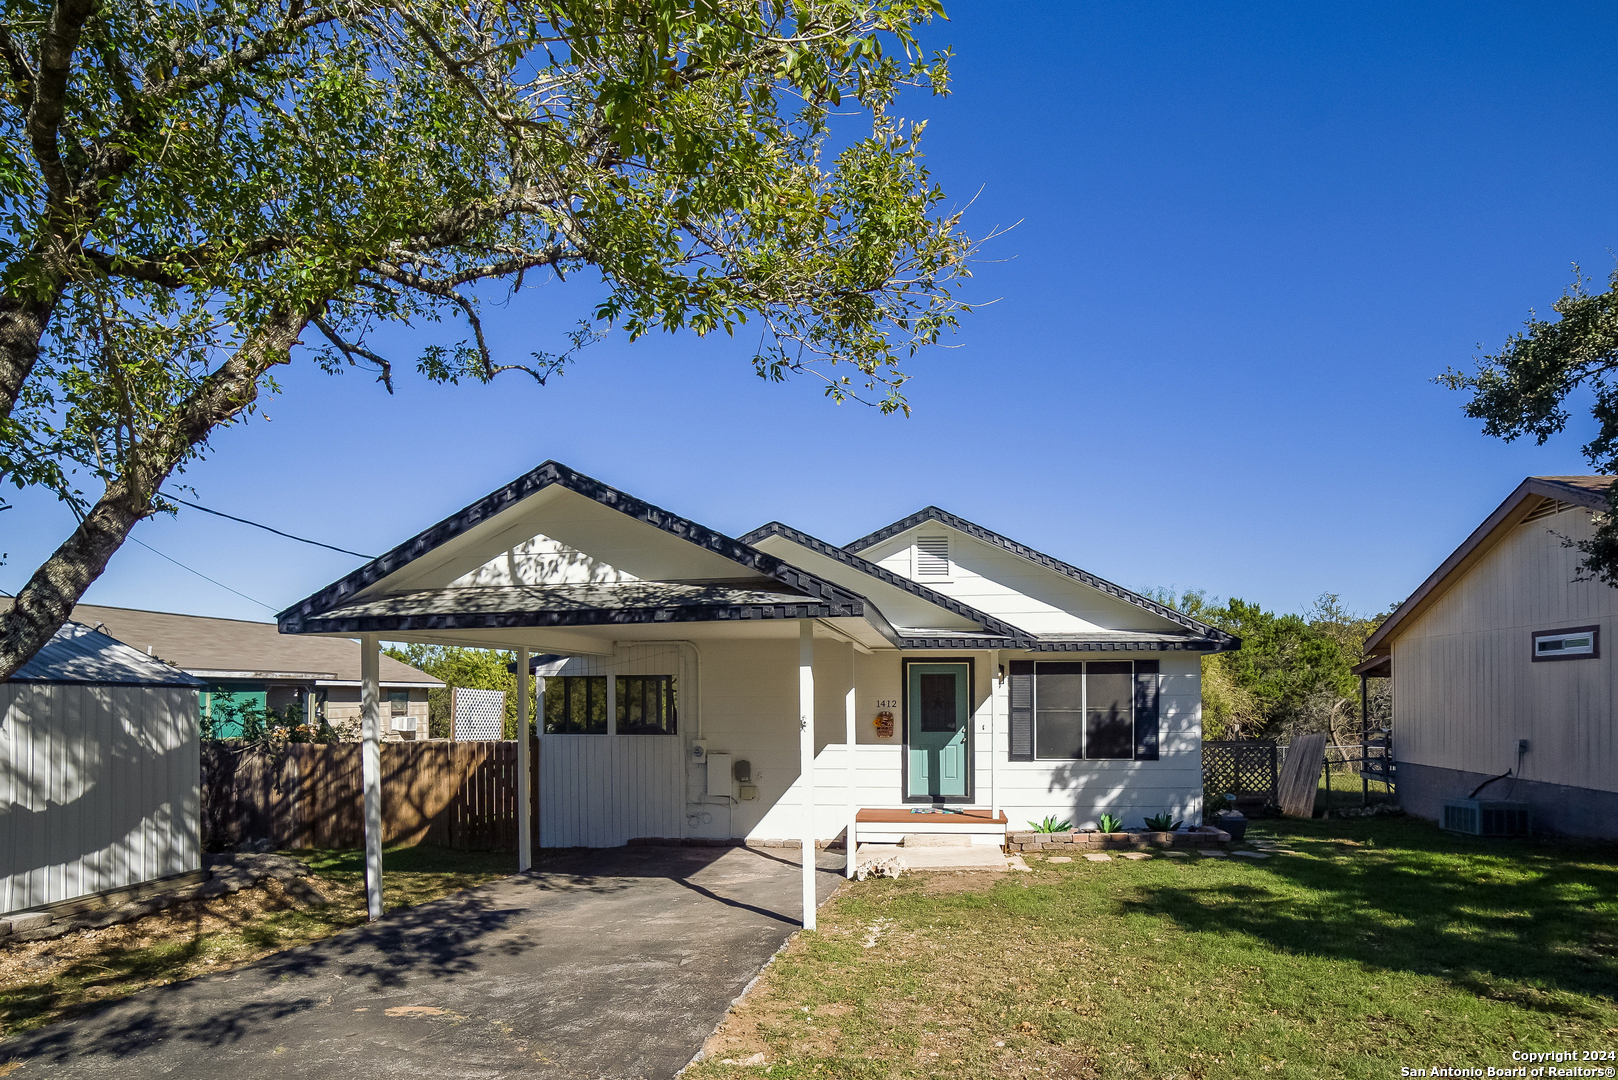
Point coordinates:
pixel 1465 689
pixel 98 789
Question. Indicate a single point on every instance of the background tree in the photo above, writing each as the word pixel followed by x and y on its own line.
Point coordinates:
pixel 1293 674
pixel 189 191
pixel 471 669
pixel 1523 390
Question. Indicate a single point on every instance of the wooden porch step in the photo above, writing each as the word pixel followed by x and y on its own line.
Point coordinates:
pixel 920 822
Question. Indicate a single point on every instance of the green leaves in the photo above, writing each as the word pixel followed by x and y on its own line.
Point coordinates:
pixel 1523 390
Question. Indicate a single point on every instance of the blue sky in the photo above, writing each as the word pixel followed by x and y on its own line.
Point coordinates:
pixel 1248 237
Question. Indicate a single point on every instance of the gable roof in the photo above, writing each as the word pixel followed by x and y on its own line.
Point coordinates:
pixel 1534 494
pixel 1008 636
pixel 79 654
pixel 765 587
pixel 1218 638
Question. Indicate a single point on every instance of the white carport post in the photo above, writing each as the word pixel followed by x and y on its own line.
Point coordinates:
pixel 371 770
pixel 806 762
pixel 525 798
pixel 849 704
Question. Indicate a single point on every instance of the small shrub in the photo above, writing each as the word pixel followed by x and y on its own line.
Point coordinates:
pixel 1051 824
pixel 1163 823
pixel 1111 824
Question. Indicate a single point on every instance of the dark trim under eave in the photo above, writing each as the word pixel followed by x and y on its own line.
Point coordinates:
pixel 887 577
pixel 1038 558
pixel 383 624
pixel 296 618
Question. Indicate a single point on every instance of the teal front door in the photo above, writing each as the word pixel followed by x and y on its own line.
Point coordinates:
pixel 936 725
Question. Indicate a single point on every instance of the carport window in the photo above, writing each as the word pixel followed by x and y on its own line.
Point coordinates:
pixel 646 705
pixel 576 705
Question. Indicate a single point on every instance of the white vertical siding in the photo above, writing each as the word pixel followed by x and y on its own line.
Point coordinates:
pixel 1465 688
pixel 605 790
pixel 99 789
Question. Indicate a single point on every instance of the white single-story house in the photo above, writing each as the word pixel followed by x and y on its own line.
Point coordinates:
pixel 99 772
pixel 1499 666
pixel 698 685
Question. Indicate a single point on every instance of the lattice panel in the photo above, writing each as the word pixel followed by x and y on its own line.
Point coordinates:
pixel 479 714
pixel 1239 768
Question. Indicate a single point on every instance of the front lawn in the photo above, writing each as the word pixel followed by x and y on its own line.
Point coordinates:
pixel 1383 943
pixel 47 980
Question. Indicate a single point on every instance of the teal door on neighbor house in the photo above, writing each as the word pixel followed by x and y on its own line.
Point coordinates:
pixel 937 716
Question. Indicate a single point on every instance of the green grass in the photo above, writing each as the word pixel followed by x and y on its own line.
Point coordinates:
pixel 1385 943
pixel 41 982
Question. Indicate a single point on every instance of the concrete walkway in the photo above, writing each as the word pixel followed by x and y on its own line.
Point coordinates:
pixel 615 963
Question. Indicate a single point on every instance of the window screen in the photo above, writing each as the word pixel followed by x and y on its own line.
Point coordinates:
pixel 1102 709
pixel 399 702
pixel 576 705
pixel 1109 714
pixel 1059 710
pixel 646 705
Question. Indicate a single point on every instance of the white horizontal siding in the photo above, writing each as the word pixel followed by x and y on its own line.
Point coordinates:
pixel 99 789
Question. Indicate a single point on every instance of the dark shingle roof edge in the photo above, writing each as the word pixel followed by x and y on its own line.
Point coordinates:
pixel 1227 641
pixel 300 617
pixel 887 577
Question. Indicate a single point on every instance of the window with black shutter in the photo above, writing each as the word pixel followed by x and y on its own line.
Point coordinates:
pixel 1092 710
pixel 1021 692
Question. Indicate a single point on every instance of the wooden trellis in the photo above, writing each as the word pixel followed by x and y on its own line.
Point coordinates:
pixel 1247 769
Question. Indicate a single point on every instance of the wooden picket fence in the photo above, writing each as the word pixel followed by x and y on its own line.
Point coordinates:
pixel 460 795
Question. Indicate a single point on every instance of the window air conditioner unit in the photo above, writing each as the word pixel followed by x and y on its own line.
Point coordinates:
pixel 1485 817
pixel 404 723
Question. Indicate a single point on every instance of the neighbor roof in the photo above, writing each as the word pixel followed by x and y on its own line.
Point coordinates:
pixel 79 654
pixel 238 648
pixel 1533 494
pixel 1218 638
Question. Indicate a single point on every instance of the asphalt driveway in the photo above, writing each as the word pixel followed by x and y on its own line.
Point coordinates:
pixel 615 963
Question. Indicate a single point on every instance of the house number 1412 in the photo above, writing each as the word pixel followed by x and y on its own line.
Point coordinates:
pixel 884 704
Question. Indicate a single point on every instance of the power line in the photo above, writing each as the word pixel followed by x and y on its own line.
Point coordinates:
pixel 201 575
pixel 266 528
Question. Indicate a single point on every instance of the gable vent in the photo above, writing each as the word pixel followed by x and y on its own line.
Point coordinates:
pixel 1547 508
pixel 932 556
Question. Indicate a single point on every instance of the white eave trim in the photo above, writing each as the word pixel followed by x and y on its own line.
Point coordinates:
pixel 384 683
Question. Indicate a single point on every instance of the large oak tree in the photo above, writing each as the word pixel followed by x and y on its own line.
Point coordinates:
pixel 194 194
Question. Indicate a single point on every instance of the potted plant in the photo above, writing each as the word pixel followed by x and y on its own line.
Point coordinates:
pixel 1228 818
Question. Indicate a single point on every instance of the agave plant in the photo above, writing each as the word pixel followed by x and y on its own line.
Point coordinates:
pixel 1111 824
pixel 1163 823
pixel 1052 824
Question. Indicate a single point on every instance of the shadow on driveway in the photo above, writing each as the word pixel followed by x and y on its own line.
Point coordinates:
pixel 611 963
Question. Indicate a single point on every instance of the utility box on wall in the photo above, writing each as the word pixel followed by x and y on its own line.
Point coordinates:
pixel 719 782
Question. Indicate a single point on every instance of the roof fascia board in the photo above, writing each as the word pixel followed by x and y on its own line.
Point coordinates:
pixel 1482 540
pixel 300 617
pixel 1047 562
pixel 887 577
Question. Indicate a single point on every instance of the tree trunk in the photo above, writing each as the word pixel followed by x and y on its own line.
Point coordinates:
pixel 22 325
pixel 45 603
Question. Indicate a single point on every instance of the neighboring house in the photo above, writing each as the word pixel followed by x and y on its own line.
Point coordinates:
pixel 1500 662
pixel 974 673
pixel 249 662
pixel 99 772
